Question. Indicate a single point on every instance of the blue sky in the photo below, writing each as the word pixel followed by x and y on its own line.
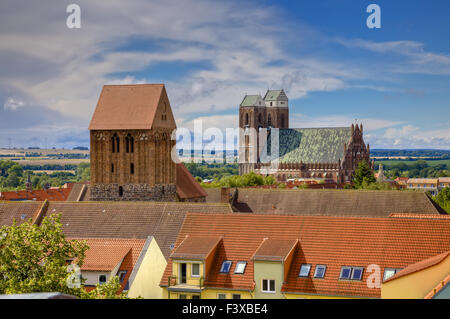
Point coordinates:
pixel 395 80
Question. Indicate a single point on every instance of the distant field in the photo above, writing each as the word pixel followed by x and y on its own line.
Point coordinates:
pixel 430 162
pixel 45 152
pixel 54 171
pixel 38 161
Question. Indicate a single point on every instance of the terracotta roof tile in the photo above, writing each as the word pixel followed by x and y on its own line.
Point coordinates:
pixel 104 254
pixel 324 240
pixel 38 194
pixel 428 216
pixel 129 219
pixel 127 107
pixel 274 249
pixel 195 247
pixel 19 211
pixel 187 186
pixel 423 264
pixel 333 202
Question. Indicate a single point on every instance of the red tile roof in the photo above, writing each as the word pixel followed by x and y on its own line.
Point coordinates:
pixel 195 247
pixel 127 107
pixel 324 240
pixel 187 186
pixel 104 254
pixel 275 249
pixel 38 194
pixel 423 264
pixel 427 216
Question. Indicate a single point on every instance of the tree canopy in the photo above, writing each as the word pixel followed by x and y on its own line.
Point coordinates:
pixel 37 259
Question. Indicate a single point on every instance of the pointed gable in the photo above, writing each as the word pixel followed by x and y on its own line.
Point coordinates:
pixel 138 106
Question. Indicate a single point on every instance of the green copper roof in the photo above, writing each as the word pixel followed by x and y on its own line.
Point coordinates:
pixel 313 145
pixel 250 100
pixel 275 95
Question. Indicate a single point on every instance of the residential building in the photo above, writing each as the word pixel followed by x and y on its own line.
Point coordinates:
pixel 326 154
pixel 280 256
pixel 427 278
pixel 425 184
pixel 138 263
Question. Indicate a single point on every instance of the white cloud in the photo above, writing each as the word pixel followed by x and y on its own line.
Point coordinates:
pixel 13 104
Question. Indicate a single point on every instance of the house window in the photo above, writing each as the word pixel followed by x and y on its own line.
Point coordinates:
pixel 195 296
pixel 101 279
pixel 195 270
pixel 389 272
pixel 226 265
pixel 236 296
pixel 351 273
pixel 345 273
pixel 131 168
pixel 183 297
pixel 268 285
pixel 221 296
pixel 121 275
pixel 304 270
pixel 320 271
pixel 240 267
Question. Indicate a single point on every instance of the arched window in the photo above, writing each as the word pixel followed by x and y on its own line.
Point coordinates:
pixel 269 120
pixel 246 118
pixel 120 191
pixel 129 144
pixel 131 168
pixel 117 139
pixel 113 144
pixel 112 168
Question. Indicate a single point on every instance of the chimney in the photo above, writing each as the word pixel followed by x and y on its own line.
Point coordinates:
pixel 224 195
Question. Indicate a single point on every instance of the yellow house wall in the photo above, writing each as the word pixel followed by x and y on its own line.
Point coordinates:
pixel 194 281
pixel 268 270
pixel 208 294
pixel 416 285
pixel 212 294
pixel 148 276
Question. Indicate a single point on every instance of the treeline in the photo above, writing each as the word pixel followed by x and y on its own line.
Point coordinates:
pixel 443 154
pixel 211 170
pixel 246 180
pixel 14 177
pixel 417 169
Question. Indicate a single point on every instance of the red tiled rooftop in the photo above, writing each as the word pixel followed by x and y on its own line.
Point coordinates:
pixel 38 195
pixel 324 240
pixel 195 247
pixel 187 186
pixel 423 264
pixel 274 249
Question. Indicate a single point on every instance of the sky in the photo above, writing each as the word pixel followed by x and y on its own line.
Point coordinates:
pixel 209 54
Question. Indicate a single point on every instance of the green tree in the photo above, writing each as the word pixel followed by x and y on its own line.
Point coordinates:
pixel 16 169
pixel 443 199
pixel 363 175
pixel 34 259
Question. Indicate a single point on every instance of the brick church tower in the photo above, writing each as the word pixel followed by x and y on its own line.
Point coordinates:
pixel 131 144
pixel 255 113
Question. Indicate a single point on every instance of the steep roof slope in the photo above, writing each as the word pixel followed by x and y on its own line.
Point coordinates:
pixel 312 145
pixel 187 186
pixel 19 211
pixel 129 107
pixel 324 240
pixel 333 202
pixel 128 219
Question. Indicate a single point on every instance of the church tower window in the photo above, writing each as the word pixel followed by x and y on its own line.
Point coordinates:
pixel 269 120
pixel 246 118
pixel 131 168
